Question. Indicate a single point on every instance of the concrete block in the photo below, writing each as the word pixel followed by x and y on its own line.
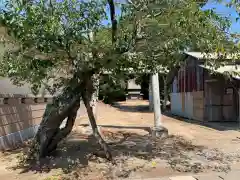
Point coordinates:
pixel 182 178
pixel 12 140
pixel 235 175
pixel 164 178
pixel 208 177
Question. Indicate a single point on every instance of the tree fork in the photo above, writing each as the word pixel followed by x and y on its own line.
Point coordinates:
pixel 62 133
pixel 51 127
pixel 49 134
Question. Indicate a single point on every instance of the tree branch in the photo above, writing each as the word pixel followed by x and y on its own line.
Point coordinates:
pixel 86 96
pixel 113 20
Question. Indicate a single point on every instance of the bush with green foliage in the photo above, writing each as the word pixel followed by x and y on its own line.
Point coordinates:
pixel 112 89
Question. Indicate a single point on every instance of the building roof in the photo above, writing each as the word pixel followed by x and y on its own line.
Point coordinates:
pixel 232 70
pixel 200 55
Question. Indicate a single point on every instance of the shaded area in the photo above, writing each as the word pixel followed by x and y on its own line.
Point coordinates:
pixel 81 157
pixel 70 154
pixel 217 125
pixel 132 107
pixel 148 129
pixel 137 106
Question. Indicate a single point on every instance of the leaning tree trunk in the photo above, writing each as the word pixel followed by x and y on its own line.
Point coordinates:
pixel 49 133
pixel 62 133
pixel 64 106
pixel 87 95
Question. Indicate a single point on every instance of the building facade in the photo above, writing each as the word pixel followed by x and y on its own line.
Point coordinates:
pixel 200 93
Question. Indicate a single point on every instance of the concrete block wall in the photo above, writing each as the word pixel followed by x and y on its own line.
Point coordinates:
pixel 20 121
pixel 21 113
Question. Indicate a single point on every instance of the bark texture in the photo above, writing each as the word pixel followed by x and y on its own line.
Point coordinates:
pixel 96 133
pixel 66 105
pixel 87 95
pixel 49 134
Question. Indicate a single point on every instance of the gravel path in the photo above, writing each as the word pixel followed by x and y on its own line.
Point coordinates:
pixel 135 113
pixel 190 148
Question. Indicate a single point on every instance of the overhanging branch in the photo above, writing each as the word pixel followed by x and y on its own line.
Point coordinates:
pixel 113 20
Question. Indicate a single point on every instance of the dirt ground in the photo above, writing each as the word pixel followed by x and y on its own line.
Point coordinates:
pixel 190 148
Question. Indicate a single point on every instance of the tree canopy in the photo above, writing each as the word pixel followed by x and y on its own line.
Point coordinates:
pixel 152 32
pixel 66 42
pixel 178 26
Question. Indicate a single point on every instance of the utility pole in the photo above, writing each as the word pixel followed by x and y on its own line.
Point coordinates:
pixel 158 129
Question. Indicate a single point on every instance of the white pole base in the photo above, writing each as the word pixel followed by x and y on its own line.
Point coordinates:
pixel 161 132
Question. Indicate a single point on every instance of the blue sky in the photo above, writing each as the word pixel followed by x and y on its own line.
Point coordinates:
pixel 225 11
pixel 219 8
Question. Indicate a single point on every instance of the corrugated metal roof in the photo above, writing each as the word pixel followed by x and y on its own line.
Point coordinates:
pixel 233 70
pixel 200 55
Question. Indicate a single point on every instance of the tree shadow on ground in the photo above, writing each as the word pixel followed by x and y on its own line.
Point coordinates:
pixel 71 152
pixel 80 156
pixel 132 108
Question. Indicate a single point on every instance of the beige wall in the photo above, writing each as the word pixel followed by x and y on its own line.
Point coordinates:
pixel 19 121
pixel 17 117
pixel 198 105
pixel 188 104
pixel 220 105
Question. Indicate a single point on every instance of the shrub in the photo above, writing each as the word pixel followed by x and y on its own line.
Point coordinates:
pixel 112 89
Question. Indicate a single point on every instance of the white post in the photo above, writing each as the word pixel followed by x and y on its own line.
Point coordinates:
pixel 158 129
pixel 156 101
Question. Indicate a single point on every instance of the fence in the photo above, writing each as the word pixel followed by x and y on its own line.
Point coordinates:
pixel 19 119
pixel 20 113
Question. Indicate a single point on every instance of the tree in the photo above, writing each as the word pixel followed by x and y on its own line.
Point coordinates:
pixel 52 44
pixel 176 26
pixel 63 45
